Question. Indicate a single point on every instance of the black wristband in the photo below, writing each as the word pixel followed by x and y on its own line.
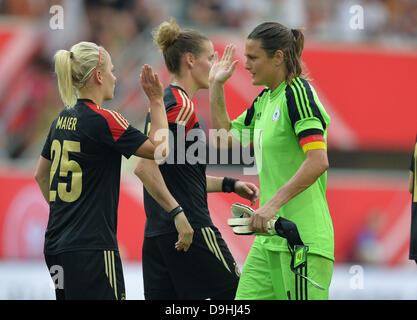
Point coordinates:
pixel 228 184
pixel 175 211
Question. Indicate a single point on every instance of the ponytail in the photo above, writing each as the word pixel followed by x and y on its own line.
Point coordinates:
pixel 293 61
pixel 64 74
pixel 299 41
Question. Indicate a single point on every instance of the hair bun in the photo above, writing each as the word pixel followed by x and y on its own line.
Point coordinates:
pixel 166 33
pixel 295 33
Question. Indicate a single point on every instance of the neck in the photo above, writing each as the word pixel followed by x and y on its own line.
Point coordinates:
pixel 91 94
pixel 187 83
pixel 280 76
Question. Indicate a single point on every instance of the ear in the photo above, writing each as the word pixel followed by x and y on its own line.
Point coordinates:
pixel 189 59
pixel 278 58
pixel 98 76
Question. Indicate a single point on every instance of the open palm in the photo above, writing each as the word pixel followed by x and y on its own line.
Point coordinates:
pixel 222 69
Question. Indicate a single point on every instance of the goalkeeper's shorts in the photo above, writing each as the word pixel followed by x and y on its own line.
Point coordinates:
pixel 267 275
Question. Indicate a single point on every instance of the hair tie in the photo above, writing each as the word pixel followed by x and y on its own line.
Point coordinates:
pixel 99 59
pixel 71 55
pixel 98 64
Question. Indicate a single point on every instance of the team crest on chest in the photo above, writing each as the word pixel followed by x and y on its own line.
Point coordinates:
pixel 276 114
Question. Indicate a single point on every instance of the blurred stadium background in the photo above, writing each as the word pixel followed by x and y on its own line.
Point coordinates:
pixel 365 77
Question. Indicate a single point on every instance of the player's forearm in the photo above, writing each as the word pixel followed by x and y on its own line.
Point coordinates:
pixel 219 117
pixel 43 183
pixel 159 127
pixel 214 184
pixel 42 175
pixel 148 172
pixel 310 170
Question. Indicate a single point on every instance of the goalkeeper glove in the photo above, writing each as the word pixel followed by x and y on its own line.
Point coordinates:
pixel 241 215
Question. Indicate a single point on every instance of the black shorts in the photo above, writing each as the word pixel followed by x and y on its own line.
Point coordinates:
pixel 206 270
pixel 87 275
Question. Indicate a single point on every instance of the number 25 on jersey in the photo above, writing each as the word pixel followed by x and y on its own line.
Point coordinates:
pixel 65 165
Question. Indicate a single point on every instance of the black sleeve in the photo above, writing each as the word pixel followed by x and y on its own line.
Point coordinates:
pixel 120 135
pixel 46 151
pixel 130 141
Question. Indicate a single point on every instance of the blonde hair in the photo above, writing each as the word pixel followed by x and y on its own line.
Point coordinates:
pixel 174 42
pixel 75 67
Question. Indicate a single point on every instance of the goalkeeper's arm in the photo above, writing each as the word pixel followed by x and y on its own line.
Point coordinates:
pixel 315 164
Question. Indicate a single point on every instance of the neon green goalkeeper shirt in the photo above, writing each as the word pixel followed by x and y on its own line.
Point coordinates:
pixel 283 125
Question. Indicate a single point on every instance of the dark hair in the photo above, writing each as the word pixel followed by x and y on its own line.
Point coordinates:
pixel 175 42
pixel 275 36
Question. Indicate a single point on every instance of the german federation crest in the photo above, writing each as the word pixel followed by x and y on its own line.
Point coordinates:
pixel 276 114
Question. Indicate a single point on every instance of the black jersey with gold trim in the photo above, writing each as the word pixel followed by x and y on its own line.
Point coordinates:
pixel 84 145
pixel 184 171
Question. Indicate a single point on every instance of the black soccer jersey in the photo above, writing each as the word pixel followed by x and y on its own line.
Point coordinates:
pixel 184 171
pixel 85 144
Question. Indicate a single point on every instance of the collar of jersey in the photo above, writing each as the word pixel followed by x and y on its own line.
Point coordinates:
pixel 85 100
pixel 82 100
pixel 179 88
pixel 277 91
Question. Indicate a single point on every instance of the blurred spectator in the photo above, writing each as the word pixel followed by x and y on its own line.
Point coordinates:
pixel 319 16
pixel 376 17
pixel 368 248
pixel 26 8
pixel 207 12
pixel 402 18
pixel 115 23
pixel 229 13
pixel 28 100
pixel 293 13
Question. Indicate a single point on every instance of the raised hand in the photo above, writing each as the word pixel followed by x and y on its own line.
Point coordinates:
pixel 151 84
pixel 223 69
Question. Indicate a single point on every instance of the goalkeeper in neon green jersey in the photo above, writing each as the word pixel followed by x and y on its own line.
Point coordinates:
pixel 288 127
